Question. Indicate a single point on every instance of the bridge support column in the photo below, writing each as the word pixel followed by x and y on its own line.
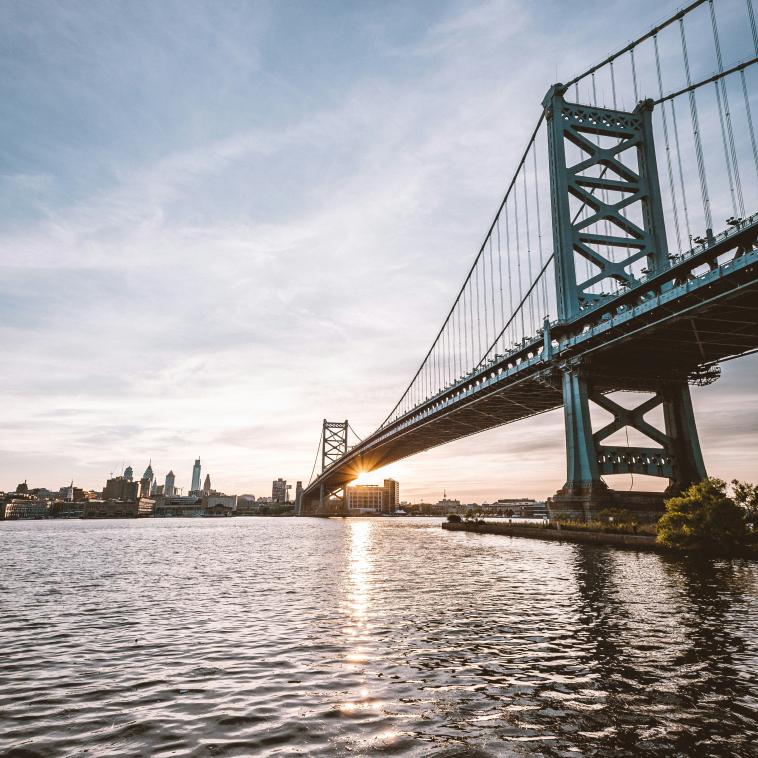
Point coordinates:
pixel 681 430
pixel 582 471
pixel 677 455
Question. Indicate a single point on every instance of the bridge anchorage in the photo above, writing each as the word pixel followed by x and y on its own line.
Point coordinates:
pixel 645 295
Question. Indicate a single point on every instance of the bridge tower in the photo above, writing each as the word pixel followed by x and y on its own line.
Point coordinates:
pixel 607 211
pixel 334 446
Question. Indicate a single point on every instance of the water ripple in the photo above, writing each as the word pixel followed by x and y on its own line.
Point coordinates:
pixel 365 637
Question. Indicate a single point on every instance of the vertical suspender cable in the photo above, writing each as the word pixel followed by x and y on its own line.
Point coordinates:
pixel 518 263
pixel 465 332
pixel 478 316
pixel 471 320
pixel 510 273
pixel 680 171
pixel 500 270
pixel 672 186
pixel 613 86
pixel 539 239
pixel 749 121
pixel 483 261
pixel 727 117
pixel 751 16
pixel 492 288
pixel 634 77
pixel 720 109
pixel 696 134
pixel 528 255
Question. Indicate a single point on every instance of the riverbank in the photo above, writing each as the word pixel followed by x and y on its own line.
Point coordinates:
pixel 635 541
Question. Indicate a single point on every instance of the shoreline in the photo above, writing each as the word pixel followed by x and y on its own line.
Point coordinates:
pixel 633 541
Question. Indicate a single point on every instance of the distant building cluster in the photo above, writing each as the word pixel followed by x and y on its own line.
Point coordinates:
pixel 123 496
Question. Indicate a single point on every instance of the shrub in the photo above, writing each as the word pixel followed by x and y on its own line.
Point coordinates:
pixel 454 518
pixel 746 497
pixel 703 518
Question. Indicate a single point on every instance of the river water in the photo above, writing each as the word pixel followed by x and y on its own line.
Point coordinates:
pixel 266 636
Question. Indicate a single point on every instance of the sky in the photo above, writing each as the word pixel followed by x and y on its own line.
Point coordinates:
pixel 221 223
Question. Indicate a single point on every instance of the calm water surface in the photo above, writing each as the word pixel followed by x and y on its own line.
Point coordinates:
pixel 361 637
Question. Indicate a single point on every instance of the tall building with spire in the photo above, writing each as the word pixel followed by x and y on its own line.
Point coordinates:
pixel 146 483
pixel 195 477
pixel 129 474
pixel 207 485
pixel 169 488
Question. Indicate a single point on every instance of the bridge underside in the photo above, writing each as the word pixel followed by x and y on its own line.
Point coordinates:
pixel 664 338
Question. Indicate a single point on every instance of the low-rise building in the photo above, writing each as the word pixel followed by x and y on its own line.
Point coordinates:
pixel 185 506
pixel 65 509
pixel 373 498
pixel 219 500
pixel 19 508
pixel 110 509
pixel 146 507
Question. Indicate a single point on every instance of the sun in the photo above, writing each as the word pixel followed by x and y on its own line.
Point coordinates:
pixel 377 476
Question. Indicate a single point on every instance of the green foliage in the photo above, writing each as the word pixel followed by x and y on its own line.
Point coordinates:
pixel 454 518
pixel 746 497
pixel 606 526
pixel 705 519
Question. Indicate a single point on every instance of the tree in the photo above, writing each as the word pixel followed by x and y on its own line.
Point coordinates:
pixel 746 497
pixel 704 518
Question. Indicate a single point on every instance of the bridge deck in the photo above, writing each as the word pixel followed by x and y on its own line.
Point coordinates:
pixel 702 310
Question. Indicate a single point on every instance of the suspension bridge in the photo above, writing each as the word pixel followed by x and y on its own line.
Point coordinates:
pixel 623 257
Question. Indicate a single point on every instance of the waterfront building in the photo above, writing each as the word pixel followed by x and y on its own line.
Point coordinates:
pixel 66 509
pixel 146 507
pixel 169 487
pixel 94 509
pixel 119 488
pixel 365 498
pixel 195 477
pixel 23 488
pixel 279 491
pixel 178 505
pixel 524 507
pixel 212 500
pixel 448 505
pixel 25 507
pixel 374 498
pixel 391 495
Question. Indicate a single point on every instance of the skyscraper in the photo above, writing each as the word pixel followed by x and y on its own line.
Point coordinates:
pixel 207 485
pixel 195 477
pixel 146 483
pixel 128 474
pixel 169 488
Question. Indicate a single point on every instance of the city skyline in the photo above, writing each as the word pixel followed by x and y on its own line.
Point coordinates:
pixel 262 311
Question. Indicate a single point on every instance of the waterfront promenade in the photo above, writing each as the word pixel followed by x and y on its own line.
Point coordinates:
pixel 360 637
